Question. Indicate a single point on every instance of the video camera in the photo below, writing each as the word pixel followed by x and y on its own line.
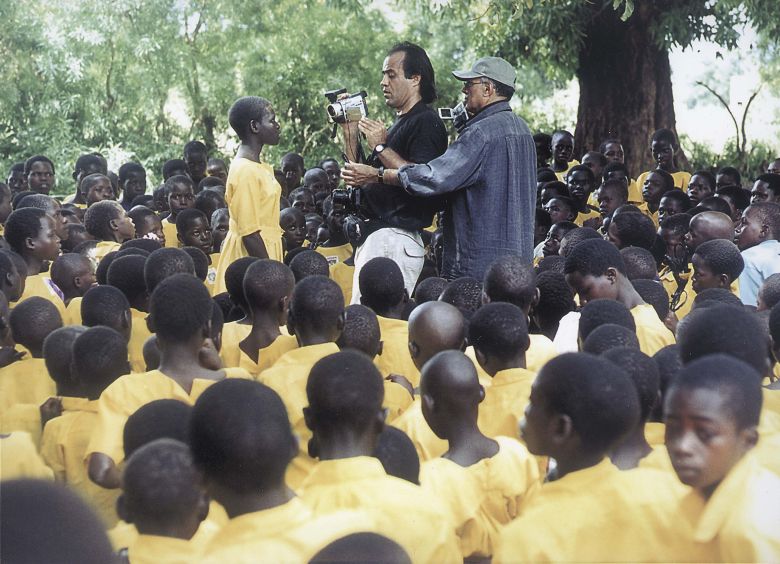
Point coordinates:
pixel 348 109
pixel 457 115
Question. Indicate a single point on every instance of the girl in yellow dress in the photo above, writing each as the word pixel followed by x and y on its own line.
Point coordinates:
pixel 252 192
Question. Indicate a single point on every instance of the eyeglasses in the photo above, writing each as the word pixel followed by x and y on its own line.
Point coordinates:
pixel 469 84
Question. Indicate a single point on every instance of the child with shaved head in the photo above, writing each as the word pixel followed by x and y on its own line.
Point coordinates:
pixel 483 480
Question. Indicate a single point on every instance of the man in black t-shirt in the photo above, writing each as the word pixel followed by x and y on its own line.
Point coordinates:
pixel 394 218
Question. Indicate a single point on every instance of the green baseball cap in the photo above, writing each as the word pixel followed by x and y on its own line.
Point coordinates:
pixel 494 68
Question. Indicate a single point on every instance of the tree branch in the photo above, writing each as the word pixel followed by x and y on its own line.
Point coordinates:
pixel 744 116
pixel 725 105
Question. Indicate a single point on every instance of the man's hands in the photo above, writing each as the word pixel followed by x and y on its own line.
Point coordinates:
pixel 356 174
pixel 375 132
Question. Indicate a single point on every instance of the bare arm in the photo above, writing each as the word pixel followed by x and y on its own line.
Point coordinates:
pixel 103 471
pixel 254 245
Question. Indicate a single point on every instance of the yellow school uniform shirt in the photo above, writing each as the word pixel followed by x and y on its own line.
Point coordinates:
pixel 654 433
pixel 658 459
pixel 73 312
pixel 63 445
pixel 139 333
pixel 403 511
pixel 650 330
pixel 395 357
pixel 689 294
pixel 288 377
pixel 267 356
pixel 562 175
pixel 599 514
pixel 484 496
pixel 211 274
pixel 290 532
pixel 740 520
pixel 41 285
pixel 343 274
pixel 22 417
pixel 335 255
pixel 131 391
pixel 252 194
pixel 635 193
pixel 425 441
pixel 232 334
pixel 153 549
pixel 540 351
pixel 171 235
pixel 582 217
pixel 124 534
pixel 681 179
pixel 25 381
pixel 505 401
pixel 20 459
pixel 104 247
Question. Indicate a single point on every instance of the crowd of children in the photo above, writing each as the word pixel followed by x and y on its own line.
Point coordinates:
pixel 186 369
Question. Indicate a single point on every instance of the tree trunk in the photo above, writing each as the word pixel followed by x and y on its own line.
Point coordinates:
pixel 625 85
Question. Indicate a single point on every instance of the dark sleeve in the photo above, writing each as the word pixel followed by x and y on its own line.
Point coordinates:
pixel 428 140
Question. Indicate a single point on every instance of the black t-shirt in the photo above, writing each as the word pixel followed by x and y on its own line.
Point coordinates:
pixel 418 136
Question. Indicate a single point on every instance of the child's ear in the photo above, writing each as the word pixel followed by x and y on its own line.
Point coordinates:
pixel 113 224
pixel 485 298
pixel 29 244
pixel 428 402
pixel 562 428
pixel 379 422
pixel 535 299
pixel 611 274
pixel 127 319
pixel 380 348
pixel 482 358
pixel 121 509
pixel 414 349
pixel 481 393
pixel 406 297
pixel 178 236
pixel 748 438
pixel 341 321
pixel 724 281
pixel 463 345
pixel 150 323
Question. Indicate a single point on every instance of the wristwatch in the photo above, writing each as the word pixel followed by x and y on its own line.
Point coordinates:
pixel 381 175
pixel 379 148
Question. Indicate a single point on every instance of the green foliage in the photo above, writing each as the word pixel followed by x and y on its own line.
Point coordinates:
pixel 702 156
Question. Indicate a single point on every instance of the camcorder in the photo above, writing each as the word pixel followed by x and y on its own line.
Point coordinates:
pixel 457 115
pixel 354 223
pixel 348 109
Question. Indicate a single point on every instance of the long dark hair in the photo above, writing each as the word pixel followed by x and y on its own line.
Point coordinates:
pixel 416 61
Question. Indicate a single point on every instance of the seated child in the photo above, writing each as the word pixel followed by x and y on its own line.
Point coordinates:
pixel 11 280
pixel 716 264
pixel 560 209
pixel 595 269
pixel 574 237
pixel 99 358
pixel 107 306
pixel 581 407
pixel 293 224
pixel 610 196
pixel 164 497
pixel 581 184
pixel 74 274
pixel 309 263
pixel 344 412
pixel 210 200
pixel 465 293
pixel 429 289
pixel 164 263
pixel 711 413
pixel 397 454
pixel 337 248
pixel 555 301
pixel 634 449
pixel 382 290
pixel 303 200
pixel 672 203
pixel 180 195
pixel 757 237
pixel 267 288
pixel 316 318
pixel 361 332
pixel 483 480
pixel 26 380
pixel 631 230
pixel 180 311
pixel 108 222
pixel 239 321
pixel 737 199
pixel 147 224
pixel 126 273
pixel 30 232
pixel 509 279
pixel 193 230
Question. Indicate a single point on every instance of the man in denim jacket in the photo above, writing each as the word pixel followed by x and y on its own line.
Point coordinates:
pixel 488 176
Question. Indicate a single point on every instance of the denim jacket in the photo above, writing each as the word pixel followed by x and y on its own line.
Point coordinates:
pixel 489 178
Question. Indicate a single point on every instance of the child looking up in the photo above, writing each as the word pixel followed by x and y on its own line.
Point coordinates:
pixel 344 412
pixel 107 222
pixel 711 413
pixel 701 185
pixel 99 358
pixel 252 193
pixel 180 193
pixel 483 480
pixel 757 237
pixel 268 287
pixel 132 181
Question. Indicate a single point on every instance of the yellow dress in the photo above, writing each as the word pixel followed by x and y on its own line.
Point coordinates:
pixel 73 311
pixel 562 175
pixel 252 195
pixel 505 402
pixel 232 334
pixel 171 235
pixel 650 330
pixel 343 274
pixel 335 255
pixel 41 285
pixel 139 333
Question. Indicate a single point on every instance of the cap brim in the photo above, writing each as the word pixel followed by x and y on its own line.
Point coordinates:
pixel 466 75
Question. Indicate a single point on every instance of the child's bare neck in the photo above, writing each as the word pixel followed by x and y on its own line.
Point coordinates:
pixel 467 444
pixel 237 505
pixel 34 265
pixel 265 330
pixel 627 455
pixel 566 464
pixel 183 366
